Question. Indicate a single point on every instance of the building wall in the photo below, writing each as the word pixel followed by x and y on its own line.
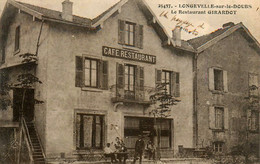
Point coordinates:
pixel 29 33
pixel 64 99
pixel 234 55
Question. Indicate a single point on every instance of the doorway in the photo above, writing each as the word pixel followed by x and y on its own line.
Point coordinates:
pixel 28 111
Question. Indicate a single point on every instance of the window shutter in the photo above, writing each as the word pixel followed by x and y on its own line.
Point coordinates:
pixel 141 36
pixel 141 83
pixel 173 83
pixel 158 77
pixel 211 79
pixel 120 80
pixel 77 131
pixel 103 75
pixel 249 115
pixel 136 39
pixel 137 82
pixel 225 81
pixel 79 71
pixel 211 117
pixel 177 85
pixel 226 123
pixel 121 32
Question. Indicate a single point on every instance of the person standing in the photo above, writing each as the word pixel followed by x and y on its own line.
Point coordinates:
pixel 151 150
pixel 139 149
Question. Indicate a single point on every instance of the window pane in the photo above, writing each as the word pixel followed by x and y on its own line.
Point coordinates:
pixel 131 27
pixel 131 85
pixel 127 34
pixel 87 63
pixel 93 78
pixel 93 64
pixel 131 70
pixel 98 136
pixel 131 38
pixel 218 79
pixel 87 77
pixel 219 116
pixel 87 124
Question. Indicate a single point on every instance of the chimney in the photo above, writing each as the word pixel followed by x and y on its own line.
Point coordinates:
pixel 176 35
pixel 229 24
pixel 67 10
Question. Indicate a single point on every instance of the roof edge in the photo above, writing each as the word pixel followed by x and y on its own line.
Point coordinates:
pixel 225 34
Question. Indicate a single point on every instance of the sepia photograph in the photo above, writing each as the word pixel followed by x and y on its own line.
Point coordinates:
pixel 129 81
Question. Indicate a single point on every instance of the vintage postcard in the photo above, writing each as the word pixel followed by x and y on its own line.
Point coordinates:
pixel 129 81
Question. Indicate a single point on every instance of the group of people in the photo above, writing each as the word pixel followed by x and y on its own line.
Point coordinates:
pixel 120 151
pixel 140 148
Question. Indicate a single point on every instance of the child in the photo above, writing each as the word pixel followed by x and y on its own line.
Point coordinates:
pixel 151 150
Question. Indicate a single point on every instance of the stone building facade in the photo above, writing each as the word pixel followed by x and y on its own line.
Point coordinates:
pixel 97 76
pixel 227 65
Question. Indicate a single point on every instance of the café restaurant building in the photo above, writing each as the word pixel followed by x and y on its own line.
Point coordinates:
pixel 98 75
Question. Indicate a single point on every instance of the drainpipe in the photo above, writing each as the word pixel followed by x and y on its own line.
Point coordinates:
pixel 195 99
pixel 38 40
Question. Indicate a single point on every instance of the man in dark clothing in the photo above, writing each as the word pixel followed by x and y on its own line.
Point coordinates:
pixel 139 149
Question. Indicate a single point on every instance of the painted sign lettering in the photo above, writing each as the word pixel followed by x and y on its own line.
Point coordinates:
pixel 127 54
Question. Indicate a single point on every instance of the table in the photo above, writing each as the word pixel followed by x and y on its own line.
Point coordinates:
pixel 120 155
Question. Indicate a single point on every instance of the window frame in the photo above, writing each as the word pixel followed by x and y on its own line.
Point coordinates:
pixel 128 33
pixel 221 78
pixel 253 126
pixel 135 131
pixel 128 81
pixel 164 72
pixel 218 125
pixel 129 94
pixel 102 132
pixel 90 72
pixel 219 146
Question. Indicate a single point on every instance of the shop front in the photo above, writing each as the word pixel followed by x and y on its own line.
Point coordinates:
pixel 150 128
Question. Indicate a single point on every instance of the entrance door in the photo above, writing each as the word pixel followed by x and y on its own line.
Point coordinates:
pixel 28 110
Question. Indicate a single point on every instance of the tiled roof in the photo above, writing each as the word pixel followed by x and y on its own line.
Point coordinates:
pixel 48 13
pixel 56 15
pixel 199 41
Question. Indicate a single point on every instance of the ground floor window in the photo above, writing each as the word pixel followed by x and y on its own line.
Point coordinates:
pixel 218 147
pixel 135 126
pixel 89 131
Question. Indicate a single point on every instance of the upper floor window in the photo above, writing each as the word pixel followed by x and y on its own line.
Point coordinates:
pixel 218 80
pixel 130 81
pixel 166 80
pixel 218 118
pixel 129 77
pixel 91 73
pixel 130 34
pixel 17 39
pixel 170 80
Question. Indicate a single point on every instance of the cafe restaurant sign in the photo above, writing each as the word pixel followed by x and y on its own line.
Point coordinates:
pixel 128 54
